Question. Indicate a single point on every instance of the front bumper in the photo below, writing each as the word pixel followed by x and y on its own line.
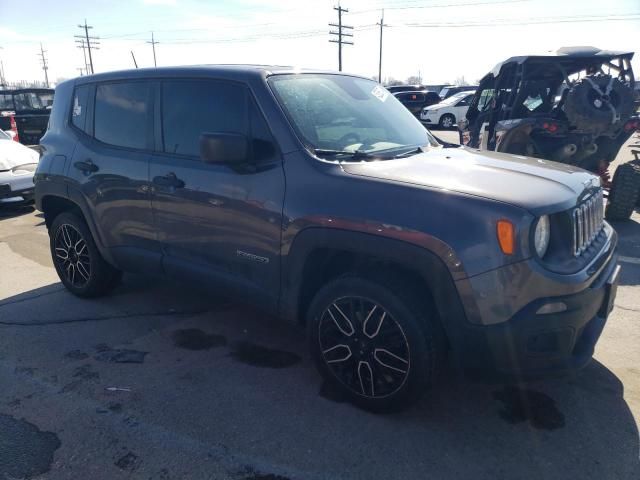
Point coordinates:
pixel 15 188
pixel 531 345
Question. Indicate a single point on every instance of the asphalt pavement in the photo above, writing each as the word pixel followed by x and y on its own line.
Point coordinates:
pixel 161 380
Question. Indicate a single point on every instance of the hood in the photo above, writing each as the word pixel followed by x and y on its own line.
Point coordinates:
pixel 435 106
pixel 537 185
pixel 13 154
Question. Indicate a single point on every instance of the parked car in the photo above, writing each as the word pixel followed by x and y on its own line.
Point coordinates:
pixel 17 166
pixel 30 109
pixel 405 88
pixel 416 101
pixel 447 112
pixel 320 198
pixel 576 107
pixel 451 90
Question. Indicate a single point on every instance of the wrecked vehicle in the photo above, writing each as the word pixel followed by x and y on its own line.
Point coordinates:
pixel 26 112
pixel 576 107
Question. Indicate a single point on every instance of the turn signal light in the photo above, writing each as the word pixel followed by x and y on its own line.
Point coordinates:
pixel 506 236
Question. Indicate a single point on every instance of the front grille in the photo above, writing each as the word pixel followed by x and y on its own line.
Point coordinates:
pixel 587 222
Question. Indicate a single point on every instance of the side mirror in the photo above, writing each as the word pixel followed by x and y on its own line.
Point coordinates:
pixel 225 148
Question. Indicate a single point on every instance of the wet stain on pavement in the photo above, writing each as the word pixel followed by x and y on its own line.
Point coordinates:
pixel 196 339
pixel 76 355
pixel 520 405
pixel 120 356
pixel 248 473
pixel 330 392
pixel 259 356
pixel 86 372
pixel 25 450
pixel 127 462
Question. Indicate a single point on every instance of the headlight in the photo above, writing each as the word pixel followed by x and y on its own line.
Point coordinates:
pixel 25 169
pixel 541 235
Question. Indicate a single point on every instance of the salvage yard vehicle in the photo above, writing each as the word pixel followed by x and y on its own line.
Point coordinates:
pixel 318 197
pixel 17 166
pixel 416 101
pixel 26 111
pixel 446 113
pixel 576 107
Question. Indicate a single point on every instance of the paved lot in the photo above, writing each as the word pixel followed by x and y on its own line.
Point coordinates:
pixel 160 380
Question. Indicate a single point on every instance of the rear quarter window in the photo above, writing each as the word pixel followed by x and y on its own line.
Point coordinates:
pixel 79 107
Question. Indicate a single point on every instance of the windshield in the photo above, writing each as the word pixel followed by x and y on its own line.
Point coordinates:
pixel 347 114
pixel 454 98
pixel 33 100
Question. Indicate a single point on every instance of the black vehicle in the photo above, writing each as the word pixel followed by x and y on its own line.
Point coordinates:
pixel 30 107
pixel 450 90
pixel 318 197
pixel 416 101
pixel 576 107
pixel 405 88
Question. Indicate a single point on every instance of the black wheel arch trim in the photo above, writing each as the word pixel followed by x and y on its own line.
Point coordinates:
pixel 419 260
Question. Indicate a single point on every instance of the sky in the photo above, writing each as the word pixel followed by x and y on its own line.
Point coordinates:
pixel 440 40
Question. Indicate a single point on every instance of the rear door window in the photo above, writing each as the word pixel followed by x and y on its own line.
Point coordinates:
pixel 6 101
pixel 193 107
pixel 80 107
pixel 122 114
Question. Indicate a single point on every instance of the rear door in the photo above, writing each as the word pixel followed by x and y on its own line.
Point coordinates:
pixel 215 221
pixel 110 166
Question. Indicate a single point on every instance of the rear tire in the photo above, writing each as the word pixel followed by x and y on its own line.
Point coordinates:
pixel 81 268
pixel 447 121
pixel 374 341
pixel 625 191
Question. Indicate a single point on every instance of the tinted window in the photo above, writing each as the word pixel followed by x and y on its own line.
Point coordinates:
pixel 191 107
pixel 122 114
pixel 79 107
pixel 33 100
pixel 6 101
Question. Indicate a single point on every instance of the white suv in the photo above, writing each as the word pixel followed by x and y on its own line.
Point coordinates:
pixel 447 112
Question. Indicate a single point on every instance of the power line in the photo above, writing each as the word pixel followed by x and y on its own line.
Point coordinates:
pixel 340 33
pixel 153 45
pixel 89 42
pixel 440 5
pixel 528 21
pixel 45 67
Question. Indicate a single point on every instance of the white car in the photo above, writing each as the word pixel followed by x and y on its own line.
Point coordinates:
pixel 17 166
pixel 447 113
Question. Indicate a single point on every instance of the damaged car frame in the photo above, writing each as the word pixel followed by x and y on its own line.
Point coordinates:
pixel 575 107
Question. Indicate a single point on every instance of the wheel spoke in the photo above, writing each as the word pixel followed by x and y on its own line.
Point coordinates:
pixel 346 332
pixel 82 270
pixel 365 375
pixel 390 360
pixel 337 353
pixel 62 253
pixel 66 238
pixel 366 322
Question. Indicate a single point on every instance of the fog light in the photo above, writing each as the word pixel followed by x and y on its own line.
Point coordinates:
pixel 554 307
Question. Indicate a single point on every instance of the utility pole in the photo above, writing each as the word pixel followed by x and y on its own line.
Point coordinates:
pixel 382 25
pixel 153 45
pixel 2 79
pixel 45 67
pixel 341 33
pixel 80 70
pixel 89 43
pixel 134 59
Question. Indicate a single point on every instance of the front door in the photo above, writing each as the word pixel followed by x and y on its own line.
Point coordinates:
pixel 217 221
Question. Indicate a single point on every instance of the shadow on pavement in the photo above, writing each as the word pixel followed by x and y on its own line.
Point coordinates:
pixel 193 382
pixel 9 210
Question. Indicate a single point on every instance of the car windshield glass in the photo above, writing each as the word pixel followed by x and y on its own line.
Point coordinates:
pixel 454 98
pixel 33 100
pixel 4 135
pixel 348 114
pixel 6 101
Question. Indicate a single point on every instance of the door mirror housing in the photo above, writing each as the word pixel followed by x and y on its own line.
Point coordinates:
pixel 224 148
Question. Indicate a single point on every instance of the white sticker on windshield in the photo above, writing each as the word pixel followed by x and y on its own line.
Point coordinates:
pixel 380 93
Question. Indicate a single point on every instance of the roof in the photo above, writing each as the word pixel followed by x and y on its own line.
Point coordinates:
pixel 570 58
pixel 230 72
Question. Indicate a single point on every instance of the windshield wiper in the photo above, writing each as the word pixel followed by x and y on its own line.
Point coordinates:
pixel 409 153
pixel 353 155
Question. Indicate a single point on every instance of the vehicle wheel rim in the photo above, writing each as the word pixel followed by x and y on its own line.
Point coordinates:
pixel 364 347
pixel 72 255
pixel 447 122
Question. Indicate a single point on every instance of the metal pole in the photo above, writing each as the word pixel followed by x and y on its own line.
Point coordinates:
pixel 86 33
pixel 380 56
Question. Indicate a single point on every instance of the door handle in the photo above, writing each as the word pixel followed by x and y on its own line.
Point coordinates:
pixel 87 166
pixel 168 180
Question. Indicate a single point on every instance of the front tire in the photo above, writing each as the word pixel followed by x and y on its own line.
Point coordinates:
pixel 374 342
pixel 447 121
pixel 81 268
pixel 625 191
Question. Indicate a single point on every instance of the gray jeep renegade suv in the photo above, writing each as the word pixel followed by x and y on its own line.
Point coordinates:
pixel 319 197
